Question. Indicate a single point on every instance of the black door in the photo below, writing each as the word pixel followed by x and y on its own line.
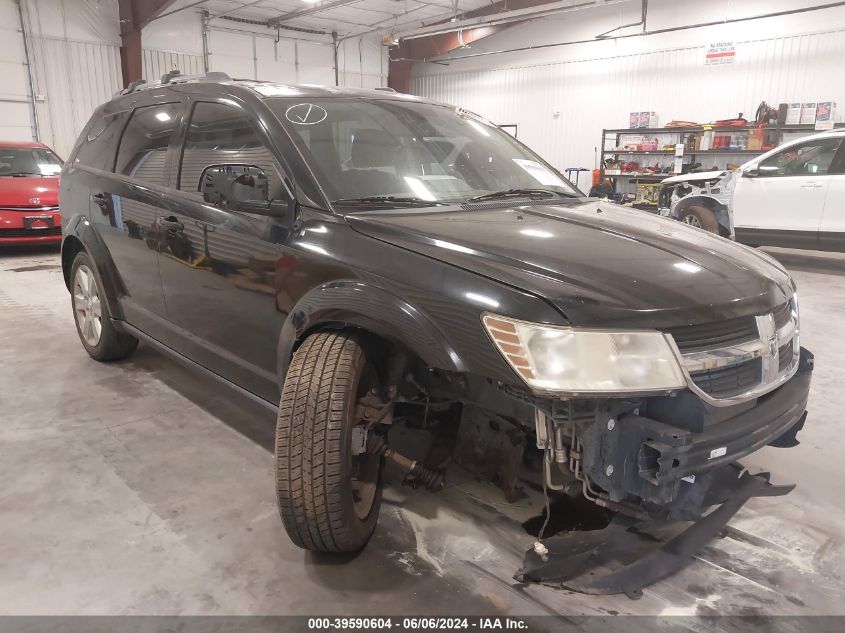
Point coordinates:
pixel 219 268
pixel 127 205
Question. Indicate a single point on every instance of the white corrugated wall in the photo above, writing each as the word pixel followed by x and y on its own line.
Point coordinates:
pixel 71 79
pixel 15 105
pixel 561 108
pixel 157 63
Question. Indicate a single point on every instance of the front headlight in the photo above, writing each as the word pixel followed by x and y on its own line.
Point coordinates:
pixel 570 360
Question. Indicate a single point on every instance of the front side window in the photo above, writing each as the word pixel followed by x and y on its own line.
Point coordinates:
pixel 222 135
pixel 812 158
pixel 28 161
pixel 400 152
pixel 143 146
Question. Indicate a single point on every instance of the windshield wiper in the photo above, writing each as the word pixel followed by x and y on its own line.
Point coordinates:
pixel 21 174
pixel 518 193
pixel 387 200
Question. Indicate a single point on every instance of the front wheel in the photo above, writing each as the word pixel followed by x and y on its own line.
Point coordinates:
pixel 100 338
pixel 329 494
pixel 700 218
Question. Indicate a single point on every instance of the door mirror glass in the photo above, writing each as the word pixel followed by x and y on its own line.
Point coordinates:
pixel 236 187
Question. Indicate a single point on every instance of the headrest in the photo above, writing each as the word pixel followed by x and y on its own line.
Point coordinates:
pixel 373 148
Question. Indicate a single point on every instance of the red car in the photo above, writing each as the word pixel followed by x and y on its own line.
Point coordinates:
pixel 29 194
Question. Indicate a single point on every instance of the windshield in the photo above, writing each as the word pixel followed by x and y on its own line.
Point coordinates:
pixel 391 153
pixel 28 161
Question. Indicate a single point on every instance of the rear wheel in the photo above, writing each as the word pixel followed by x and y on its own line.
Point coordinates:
pixel 99 336
pixel 329 494
pixel 701 218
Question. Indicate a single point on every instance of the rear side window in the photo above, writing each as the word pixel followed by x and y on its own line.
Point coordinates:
pixel 98 147
pixel 222 135
pixel 143 147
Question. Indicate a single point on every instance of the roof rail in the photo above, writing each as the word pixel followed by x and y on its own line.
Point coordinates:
pixel 172 77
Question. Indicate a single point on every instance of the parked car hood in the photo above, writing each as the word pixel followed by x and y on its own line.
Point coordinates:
pixel 21 191
pixel 599 263
pixel 695 176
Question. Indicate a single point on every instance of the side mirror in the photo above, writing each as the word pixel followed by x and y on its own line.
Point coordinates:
pixel 751 173
pixel 244 188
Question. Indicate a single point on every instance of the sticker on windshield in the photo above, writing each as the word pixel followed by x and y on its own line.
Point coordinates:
pixel 305 114
pixel 539 173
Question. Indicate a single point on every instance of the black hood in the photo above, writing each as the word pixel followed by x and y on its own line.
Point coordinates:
pixel 599 263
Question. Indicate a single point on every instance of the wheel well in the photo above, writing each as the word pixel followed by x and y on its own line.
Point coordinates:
pixel 70 248
pixel 379 349
pixel 719 210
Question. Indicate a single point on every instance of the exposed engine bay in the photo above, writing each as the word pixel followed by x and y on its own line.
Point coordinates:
pixel 659 462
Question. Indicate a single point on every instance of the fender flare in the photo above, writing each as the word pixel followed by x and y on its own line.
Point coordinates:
pixel 354 304
pixel 79 227
pixel 704 201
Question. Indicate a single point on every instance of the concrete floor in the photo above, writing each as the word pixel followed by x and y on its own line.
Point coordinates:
pixel 141 488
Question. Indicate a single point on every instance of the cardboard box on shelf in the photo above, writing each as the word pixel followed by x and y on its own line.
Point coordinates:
pixel 808 112
pixel 825 115
pixel 793 114
pixel 649 119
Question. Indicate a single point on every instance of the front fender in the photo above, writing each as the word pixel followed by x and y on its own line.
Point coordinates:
pixel 361 305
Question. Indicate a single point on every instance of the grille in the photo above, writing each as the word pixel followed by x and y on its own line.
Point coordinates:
pixel 712 335
pixel 724 333
pixel 729 381
pixel 56 230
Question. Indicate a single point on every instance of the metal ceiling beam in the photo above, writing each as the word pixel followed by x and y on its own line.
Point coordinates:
pixel 324 6
pixel 134 15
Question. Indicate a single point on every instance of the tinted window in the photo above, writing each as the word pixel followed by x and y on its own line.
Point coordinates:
pixel 812 158
pixel 220 135
pixel 143 147
pixel 98 147
pixel 25 161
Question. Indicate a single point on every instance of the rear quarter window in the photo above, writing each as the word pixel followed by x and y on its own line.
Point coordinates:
pixel 99 142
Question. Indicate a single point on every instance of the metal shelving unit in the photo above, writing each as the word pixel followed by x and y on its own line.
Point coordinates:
pixel 626 182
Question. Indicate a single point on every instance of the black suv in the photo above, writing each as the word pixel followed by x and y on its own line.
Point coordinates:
pixel 367 260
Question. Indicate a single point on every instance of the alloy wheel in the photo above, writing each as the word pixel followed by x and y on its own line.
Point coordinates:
pixel 692 220
pixel 86 306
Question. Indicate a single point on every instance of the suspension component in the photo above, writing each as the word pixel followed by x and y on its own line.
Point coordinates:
pixel 415 473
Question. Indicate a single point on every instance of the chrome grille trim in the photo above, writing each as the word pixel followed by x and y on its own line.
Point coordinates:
pixel 766 346
pixel 30 209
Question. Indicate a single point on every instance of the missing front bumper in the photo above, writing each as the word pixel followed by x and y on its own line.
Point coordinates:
pixel 656 459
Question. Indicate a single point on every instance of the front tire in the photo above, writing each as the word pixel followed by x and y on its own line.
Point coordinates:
pixel 701 218
pixel 329 498
pixel 100 338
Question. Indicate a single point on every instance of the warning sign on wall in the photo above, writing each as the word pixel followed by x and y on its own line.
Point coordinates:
pixel 720 53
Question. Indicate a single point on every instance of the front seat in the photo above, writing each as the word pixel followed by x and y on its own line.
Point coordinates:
pixel 25 164
pixel 373 153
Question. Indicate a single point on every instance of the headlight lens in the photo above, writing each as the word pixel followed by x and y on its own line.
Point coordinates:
pixel 563 359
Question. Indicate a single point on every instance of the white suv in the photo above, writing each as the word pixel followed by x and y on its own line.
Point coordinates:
pixel 792 196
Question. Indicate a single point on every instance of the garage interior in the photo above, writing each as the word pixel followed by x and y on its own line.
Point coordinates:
pixel 141 487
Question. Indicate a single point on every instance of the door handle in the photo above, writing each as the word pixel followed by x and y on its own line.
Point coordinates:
pixel 811 185
pixel 171 223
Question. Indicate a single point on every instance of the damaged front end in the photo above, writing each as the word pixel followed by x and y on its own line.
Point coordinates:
pixel 656 461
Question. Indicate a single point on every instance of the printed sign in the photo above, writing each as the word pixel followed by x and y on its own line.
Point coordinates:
pixel 720 53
